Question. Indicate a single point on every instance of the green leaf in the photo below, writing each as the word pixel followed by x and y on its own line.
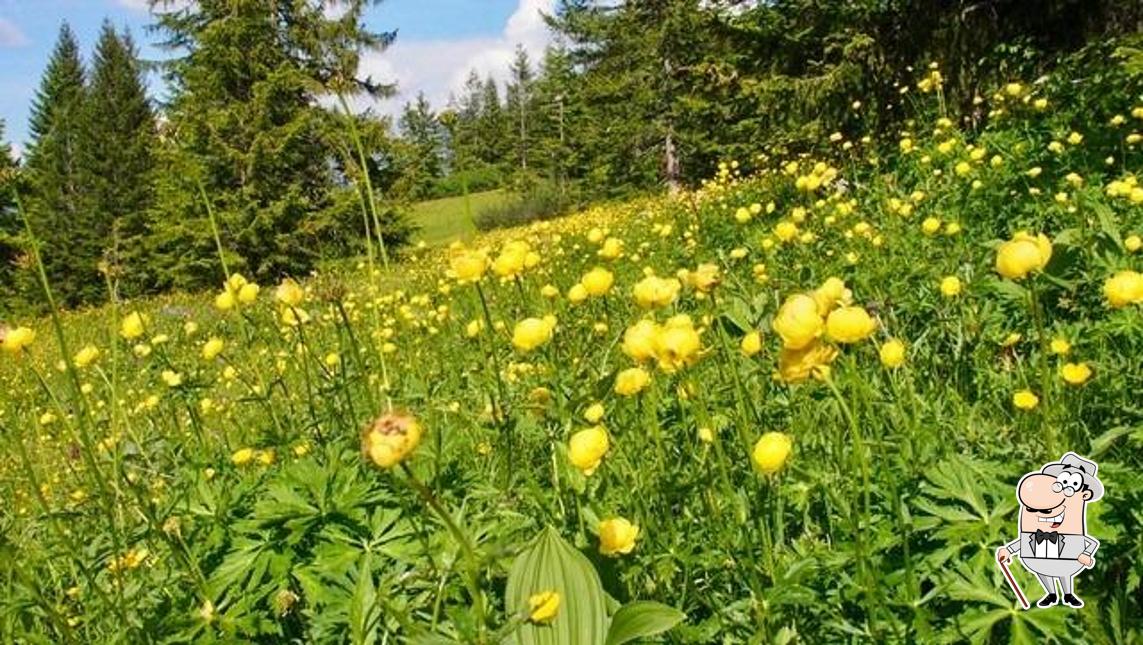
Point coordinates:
pixel 362 605
pixel 641 619
pixel 551 564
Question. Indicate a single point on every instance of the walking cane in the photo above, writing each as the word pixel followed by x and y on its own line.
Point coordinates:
pixel 1012 583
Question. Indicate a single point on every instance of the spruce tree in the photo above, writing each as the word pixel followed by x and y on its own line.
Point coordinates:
pixel 117 155
pixel 9 229
pixel 425 136
pixel 56 205
pixel 247 130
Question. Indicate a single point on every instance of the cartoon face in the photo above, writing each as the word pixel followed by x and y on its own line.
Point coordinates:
pixel 1053 502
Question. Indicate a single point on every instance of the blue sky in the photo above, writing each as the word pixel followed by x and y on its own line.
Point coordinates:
pixel 438 42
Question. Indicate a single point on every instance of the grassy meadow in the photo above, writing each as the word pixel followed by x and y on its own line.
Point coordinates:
pixel 788 406
pixel 445 220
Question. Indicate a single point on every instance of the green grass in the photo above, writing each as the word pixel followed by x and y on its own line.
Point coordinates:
pixel 444 220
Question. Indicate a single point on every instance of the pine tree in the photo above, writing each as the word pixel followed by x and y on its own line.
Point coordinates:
pixel 519 104
pixel 56 205
pixel 117 153
pixel 247 131
pixel 491 127
pixel 9 229
pixel 424 133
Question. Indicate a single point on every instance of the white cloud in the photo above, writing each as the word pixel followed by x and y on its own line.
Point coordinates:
pixel 10 35
pixel 440 67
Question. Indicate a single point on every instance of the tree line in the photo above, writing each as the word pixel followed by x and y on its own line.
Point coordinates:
pixel 630 96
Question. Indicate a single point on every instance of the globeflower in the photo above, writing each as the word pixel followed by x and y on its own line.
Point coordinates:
pixel 512 259
pixel 17 340
pixel 598 281
pixel 828 295
pixel 704 278
pixel 86 356
pixel 751 343
pixel 677 344
pixel 892 353
pixel 849 325
pixel 798 322
pixel 795 365
pixel 586 448
pixel 289 293
pixel 1124 288
pixel 771 452
pixel 248 293
pixel 530 333
pixel 639 341
pixel 391 439
pixel 631 381
pixel 617 536
pixel 653 291
pixel 612 248
pixel 950 286
pixel 1025 400
pixel 469 266
pixel 577 293
pixel 212 349
pixel 1075 373
pixel 543 607
pixel 132 326
pixel 1023 254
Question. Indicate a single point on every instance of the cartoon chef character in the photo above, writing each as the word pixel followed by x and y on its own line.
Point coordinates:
pixel 1053 542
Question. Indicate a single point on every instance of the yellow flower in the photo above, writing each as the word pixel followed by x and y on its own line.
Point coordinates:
pixel 631 381
pixel 1124 288
pixel 242 456
pixel 706 435
pixel 248 293
pixel 639 341
pixel 931 225
pixel 850 325
pixel 653 291
pixel 586 448
pixel 290 293
pixel 771 452
pixel 225 300
pixel 172 378
pixel 1060 346
pixel 751 343
pixel 1025 400
pixel 1022 255
pixel 543 607
pixel 677 344
pixel 1133 243
pixel 828 295
pixel 577 293
pixel 530 333
pixel 785 230
pixel 796 365
pixel 950 286
pixel 1075 373
pixel 212 349
pixel 893 353
pixel 598 281
pixel 704 278
pixel 594 413
pixel 617 536
pixel 469 266
pixel 132 326
pixel 612 248
pixel 86 356
pixel 798 322
pixel 549 291
pixel 512 259
pixel 391 439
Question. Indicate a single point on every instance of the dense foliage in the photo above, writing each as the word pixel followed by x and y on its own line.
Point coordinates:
pixel 791 404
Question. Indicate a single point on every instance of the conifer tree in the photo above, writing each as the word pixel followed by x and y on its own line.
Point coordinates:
pixel 249 135
pixel 9 228
pixel 56 204
pixel 117 154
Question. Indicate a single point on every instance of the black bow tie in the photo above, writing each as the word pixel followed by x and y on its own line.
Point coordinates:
pixel 1050 536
